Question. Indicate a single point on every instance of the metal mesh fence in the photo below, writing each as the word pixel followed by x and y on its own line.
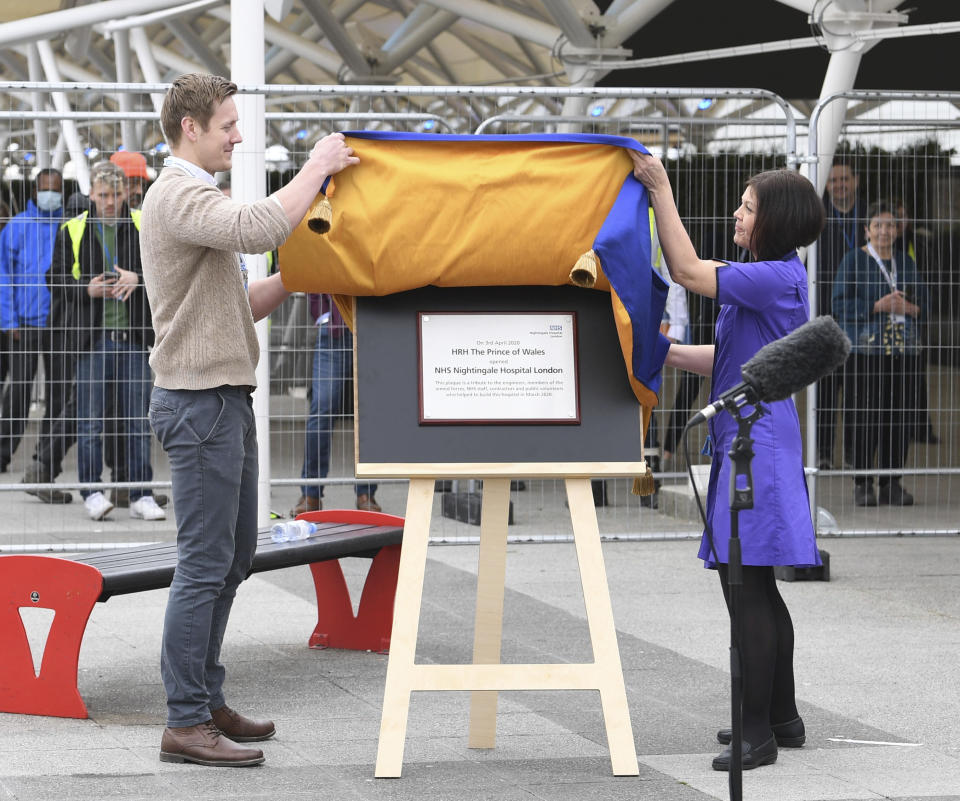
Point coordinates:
pixel 712 141
pixel 887 265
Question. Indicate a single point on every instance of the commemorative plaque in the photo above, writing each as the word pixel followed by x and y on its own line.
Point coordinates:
pixel 495 368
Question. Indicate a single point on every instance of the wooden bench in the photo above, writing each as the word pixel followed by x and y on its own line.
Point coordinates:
pixel 71 587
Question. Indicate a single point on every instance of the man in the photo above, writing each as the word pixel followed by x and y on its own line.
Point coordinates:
pixel 843 232
pixel 97 271
pixel 134 166
pixel 332 372
pixel 204 361
pixel 54 441
pixel 26 248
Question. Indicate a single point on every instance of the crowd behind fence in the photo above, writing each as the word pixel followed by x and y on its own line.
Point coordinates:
pixel 905 157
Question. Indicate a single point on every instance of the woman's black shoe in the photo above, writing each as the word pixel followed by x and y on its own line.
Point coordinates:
pixel 788 735
pixel 863 495
pixel 765 754
pixel 599 488
pixel 894 495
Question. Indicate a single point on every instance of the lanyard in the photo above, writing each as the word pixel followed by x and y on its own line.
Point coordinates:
pixel 890 275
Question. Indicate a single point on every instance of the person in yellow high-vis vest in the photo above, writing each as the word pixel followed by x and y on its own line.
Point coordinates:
pixel 97 292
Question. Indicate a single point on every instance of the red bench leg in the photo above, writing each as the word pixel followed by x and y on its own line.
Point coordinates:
pixel 337 627
pixel 70 589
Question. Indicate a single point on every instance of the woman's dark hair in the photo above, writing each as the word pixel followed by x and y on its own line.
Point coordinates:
pixel 879 207
pixel 789 213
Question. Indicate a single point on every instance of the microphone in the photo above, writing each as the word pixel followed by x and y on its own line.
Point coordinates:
pixel 785 366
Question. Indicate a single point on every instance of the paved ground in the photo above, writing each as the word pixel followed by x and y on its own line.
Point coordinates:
pixel 878 665
pixel 878 662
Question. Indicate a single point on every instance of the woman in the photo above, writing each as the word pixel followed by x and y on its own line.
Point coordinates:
pixel 761 301
pixel 875 299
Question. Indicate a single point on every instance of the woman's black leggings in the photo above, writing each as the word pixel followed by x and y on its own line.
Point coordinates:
pixel 766 653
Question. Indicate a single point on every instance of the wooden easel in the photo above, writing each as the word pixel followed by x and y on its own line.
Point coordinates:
pixel 487 676
pixel 391 443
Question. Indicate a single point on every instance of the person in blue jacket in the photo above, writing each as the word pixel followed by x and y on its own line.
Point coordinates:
pixel 878 299
pixel 26 249
pixel 760 301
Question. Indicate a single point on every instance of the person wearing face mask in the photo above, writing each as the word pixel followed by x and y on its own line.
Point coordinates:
pixel 26 249
pixel 53 444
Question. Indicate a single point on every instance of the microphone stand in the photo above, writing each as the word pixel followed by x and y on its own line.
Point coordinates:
pixel 741 497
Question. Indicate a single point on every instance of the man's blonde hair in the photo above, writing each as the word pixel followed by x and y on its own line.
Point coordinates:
pixel 109 174
pixel 195 95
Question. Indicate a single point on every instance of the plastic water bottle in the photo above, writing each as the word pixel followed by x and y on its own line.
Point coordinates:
pixel 826 522
pixel 292 530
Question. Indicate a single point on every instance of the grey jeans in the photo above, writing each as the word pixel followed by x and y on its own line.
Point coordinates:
pixel 211 440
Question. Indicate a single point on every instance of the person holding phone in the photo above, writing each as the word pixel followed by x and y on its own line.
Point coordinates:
pixel 97 275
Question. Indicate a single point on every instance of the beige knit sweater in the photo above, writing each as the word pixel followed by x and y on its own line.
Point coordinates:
pixel 190 235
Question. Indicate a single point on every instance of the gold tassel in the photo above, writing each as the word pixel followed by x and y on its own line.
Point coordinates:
pixel 644 485
pixel 584 272
pixel 320 215
pixel 347 306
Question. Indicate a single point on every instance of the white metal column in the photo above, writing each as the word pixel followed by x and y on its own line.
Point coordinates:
pixel 42 144
pixel 67 127
pixel 128 128
pixel 148 65
pixel 248 184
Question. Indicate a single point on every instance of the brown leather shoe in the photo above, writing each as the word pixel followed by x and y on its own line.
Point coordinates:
pixel 366 503
pixel 52 495
pixel 241 729
pixel 306 504
pixel 204 744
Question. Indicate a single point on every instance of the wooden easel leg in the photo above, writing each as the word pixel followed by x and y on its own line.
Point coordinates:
pixel 603 633
pixel 488 625
pixel 406 620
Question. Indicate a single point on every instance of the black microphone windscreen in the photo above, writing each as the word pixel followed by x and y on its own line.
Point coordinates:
pixel 787 365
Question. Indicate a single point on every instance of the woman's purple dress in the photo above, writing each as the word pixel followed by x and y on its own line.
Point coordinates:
pixel 760 302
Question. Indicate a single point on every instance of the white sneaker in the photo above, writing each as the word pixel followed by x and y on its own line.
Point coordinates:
pixel 98 507
pixel 145 508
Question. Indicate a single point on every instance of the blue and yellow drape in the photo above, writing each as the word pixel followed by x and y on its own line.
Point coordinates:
pixel 490 211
